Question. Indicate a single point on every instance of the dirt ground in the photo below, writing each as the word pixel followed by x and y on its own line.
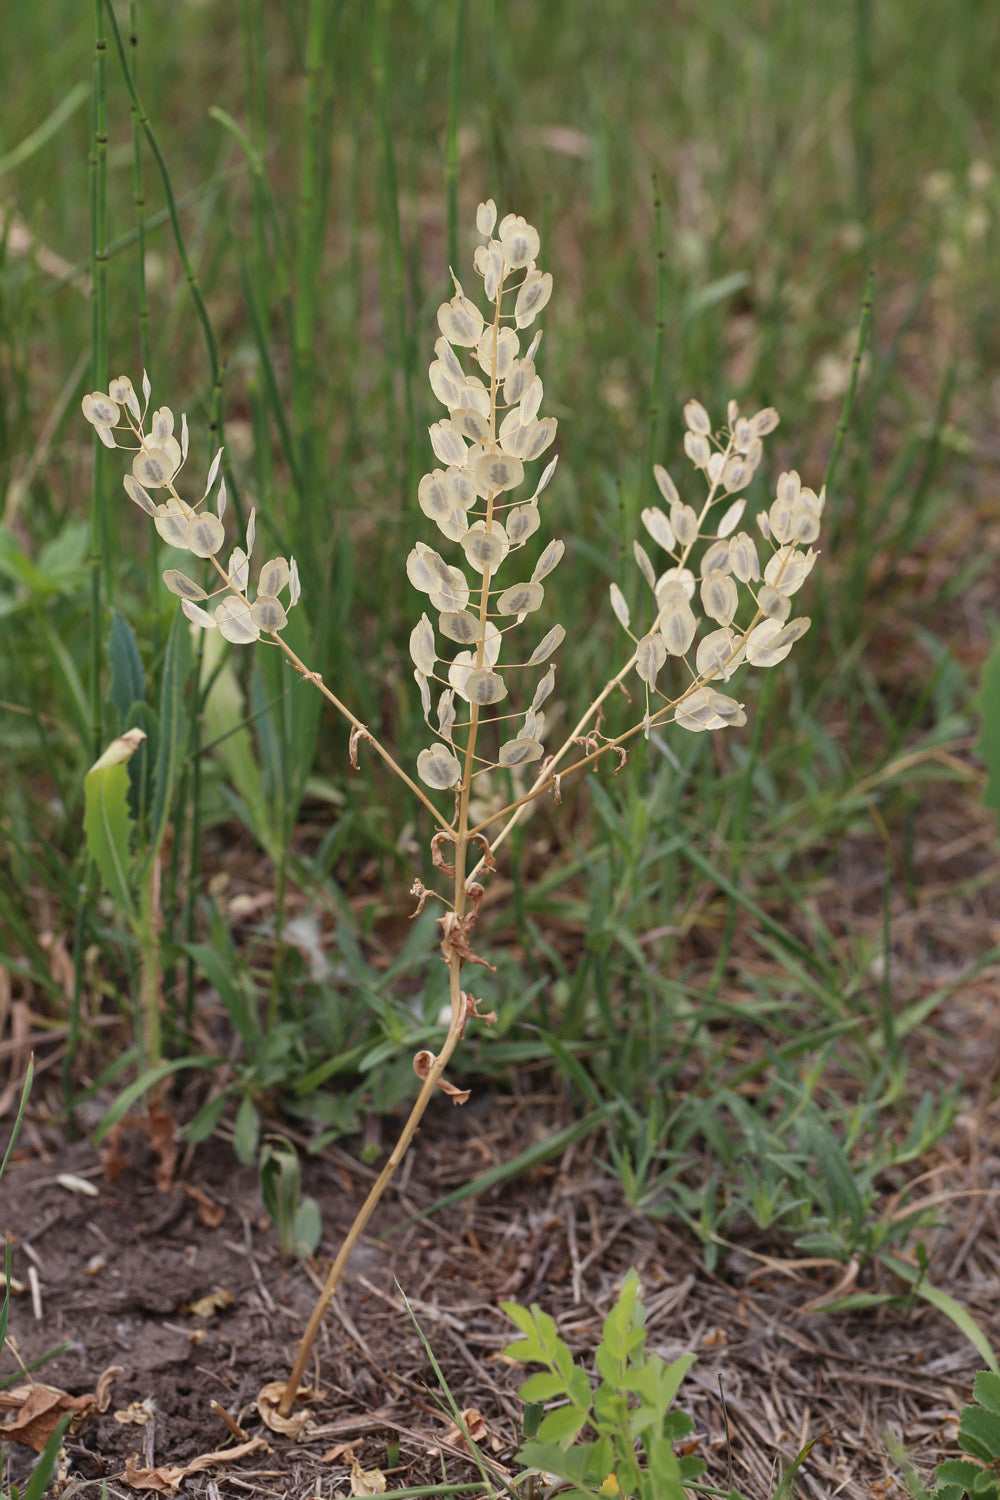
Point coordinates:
pixel 118 1278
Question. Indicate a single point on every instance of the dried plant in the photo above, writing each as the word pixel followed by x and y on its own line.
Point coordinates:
pixel 714 607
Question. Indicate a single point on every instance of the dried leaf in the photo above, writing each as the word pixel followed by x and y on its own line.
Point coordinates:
pixel 268 1400
pixel 366 1481
pixel 168 1477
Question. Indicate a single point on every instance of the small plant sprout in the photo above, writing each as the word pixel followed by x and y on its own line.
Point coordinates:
pixel 720 597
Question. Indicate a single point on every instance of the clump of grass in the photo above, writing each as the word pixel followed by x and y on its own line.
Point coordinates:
pixel 712 608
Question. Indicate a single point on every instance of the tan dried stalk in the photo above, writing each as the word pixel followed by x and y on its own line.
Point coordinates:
pixel 492 430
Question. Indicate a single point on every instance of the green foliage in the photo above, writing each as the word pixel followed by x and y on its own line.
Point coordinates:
pixel 988 744
pixel 978 1476
pixel 617 1439
pixel 280 1177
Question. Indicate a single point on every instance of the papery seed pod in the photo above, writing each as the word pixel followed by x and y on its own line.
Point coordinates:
pixel 805 524
pixel 232 616
pixel 153 468
pixel 531 401
pixel 666 485
pixel 491 268
pixel 788 488
pixel 486 217
pixel 294 586
pixel 121 392
pixel 533 727
pixel 550 559
pixel 425 691
pixel 736 474
pixel 743 435
pixel 770 641
pixel 220 501
pixel 448 443
pixel 645 566
pixel 659 527
pixel 497 472
pixel 650 654
pixel 238 571
pixel 449 361
pixel 544 688
pixel 678 626
pixel 273 577
pixel 504 355
pixel 551 641
pixel 251 531
pixel 522 373
pixel 485 548
pixel 772 604
pixel 185 437
pixel 136 493
pixel 675 580
pixel 697 418
pixel 519 752
pixel 719 654
pixel 161 426
pixel 788 569
pixel 422 650
pixel 461 322
pixel 183 587
pixel 529 441
pixel 697 449
pixel 459 625
pixel 707 709
pixel 714 468
pixel 764 421
pixel 533 295
pixel 206 535
pixel 731 519
pixel 268 614
pixel 520 599
pixel 213 471
pixel 446 386
pixel 620 606
pixel 470 424
pixel 196 614
pixel 438 768
pixel 484 687
pixel 715 559
pixel 547 473
pixel 522 522
pixel 446 713
pixel 780 518
pixel 519 241
pixel 171 522
pixel 719 597
pixel 684 521
pixel 146 387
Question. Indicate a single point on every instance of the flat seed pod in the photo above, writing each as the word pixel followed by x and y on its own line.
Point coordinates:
pixel 736 474
pixel 452 592
pixel 764 523
pixel 674 583
pixel 780 517
pixel 715 559
pixel 544 688
pixel 684 520
pixel 533 727
pixel 471 424
pixel 461 322
pixel 697 449
pixel 185 434
pixel 238 571
pixel 536 437
pixel 220 501
pixel 268 614
pixel 425 691
pixel 183 587
pixel 522 521
pixel 422 651
pixel 719 597
pixel 507 350
pixel 770 642
pixel 645 566
pixel 122 392
pixel 743 557
pixel 678 626
pixel 425 568
pixel 459 625
pixel 461 488
pixel 486 217
pixel 732 518
pixel 620 606
pixel 446 713
pixel 518 240
pixel 438 768
pixel 743 435
pixel 805 524
pixel 136 493
pixel 496 472
pixel 531 401
pixel 153 468
pixel 485 549
pixel 492 642
pixel 206 535
pixel 764 421
pixel 146 387
pixel 714 469
pixel 707 709
pixel 294 586
pixel 532 296
pixel 789 487
pixel 788 569
pixel 251 531
pixel 213 470
pixel 549 560
pixel 446 386
pixel 774 605
pixel 161 425
pixel 650 654
pixel 659 527
pixel 233 619
pixel 696 418
pixel 551 641
pixel 491 264
pixel 448 444
pixel 171 521
pixel 449 359
pixel 197 615
pixel 719 654
pixel 520 752
pixel 666 485
pixel 547 473
pixel 522 373
pixel 484 687
pixel 101 410
pixel 520 599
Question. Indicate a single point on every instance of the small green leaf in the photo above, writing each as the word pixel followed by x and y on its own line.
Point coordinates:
pixel 107 821
pixel 128 682
pixel 542 1387
pixel 562 1425
pixel 308 1227
pixel 988 744
pixel 246 1133
pixel 987 1390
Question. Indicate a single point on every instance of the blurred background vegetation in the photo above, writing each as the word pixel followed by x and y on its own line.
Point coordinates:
pixel 735 954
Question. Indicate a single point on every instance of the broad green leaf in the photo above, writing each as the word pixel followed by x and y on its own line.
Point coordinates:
pixel 308 1227
pixel 173 717
pixel 987 1390
pixel 545 1386
pixel 246 1134
pixel 107 821
pixel 562 1425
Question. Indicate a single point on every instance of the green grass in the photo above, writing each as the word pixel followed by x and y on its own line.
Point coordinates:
pixel 714 184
